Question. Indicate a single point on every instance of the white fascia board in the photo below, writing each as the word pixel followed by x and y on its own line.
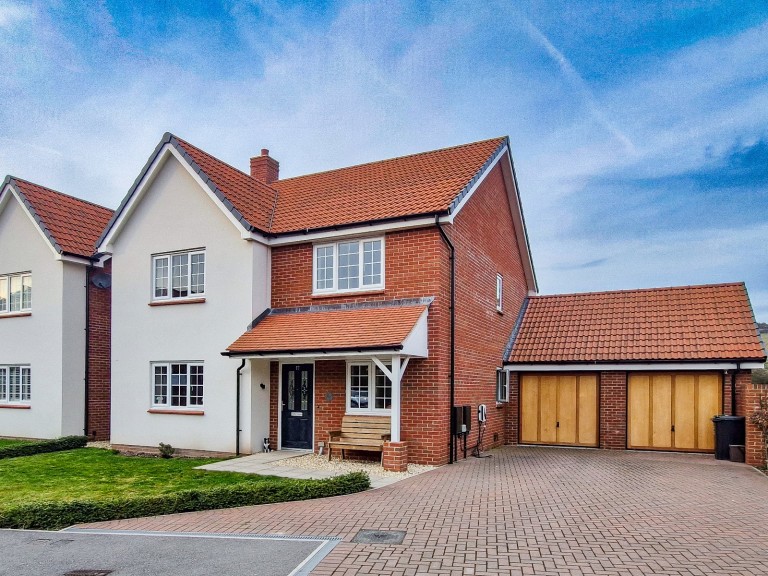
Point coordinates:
pixel 167 151
pixel 648 367
pixel 416 344
pixel 317 355
pixel 450 218
pixel 74 259
pixel 362 230
pixel 11 191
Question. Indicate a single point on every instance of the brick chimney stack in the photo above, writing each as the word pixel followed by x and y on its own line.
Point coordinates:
pixel 265 168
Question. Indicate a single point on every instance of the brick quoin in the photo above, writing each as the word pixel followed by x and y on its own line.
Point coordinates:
pixel 99 355
pixel 417 265
pixel 613 410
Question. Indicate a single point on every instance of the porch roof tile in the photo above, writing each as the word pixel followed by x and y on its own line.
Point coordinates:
pixel 329 330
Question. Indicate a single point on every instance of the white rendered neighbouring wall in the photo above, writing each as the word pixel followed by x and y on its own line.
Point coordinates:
pixel 37 340
pixel 173 214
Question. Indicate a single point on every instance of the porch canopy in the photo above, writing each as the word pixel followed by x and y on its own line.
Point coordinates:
pixel 389 332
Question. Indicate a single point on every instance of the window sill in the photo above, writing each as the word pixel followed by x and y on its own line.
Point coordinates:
pixel 16 406
pixel 353 294
pixel 181 412
pixel 15 315
pixel 177 302
pixel 499 312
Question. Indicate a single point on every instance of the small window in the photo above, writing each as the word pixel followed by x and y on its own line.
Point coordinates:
pixel 368 389
pixel 499 291
pixel 177 384
pixel 15 384
pixel 502 386
pixel 179 275
pixel 349 266
pixel 15 293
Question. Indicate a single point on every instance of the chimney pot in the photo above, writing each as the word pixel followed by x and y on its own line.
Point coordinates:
pixel 264 152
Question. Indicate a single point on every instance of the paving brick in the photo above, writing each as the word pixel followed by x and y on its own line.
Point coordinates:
pixel 528 510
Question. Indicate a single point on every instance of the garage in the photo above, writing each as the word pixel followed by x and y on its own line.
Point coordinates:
pixel 673 411
pixel 559 409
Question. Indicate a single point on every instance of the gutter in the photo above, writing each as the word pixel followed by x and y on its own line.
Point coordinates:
pixel 452 259
pixel 250 353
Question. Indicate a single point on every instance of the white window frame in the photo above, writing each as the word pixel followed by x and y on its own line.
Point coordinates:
pixel 168 405
pixel 334 289
pixel 169 256
pixel 372 410
pixel 499 292
pixel 22 276
pixel 502 385
pixel 5 384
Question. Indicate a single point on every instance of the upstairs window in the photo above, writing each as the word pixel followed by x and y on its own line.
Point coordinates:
pixel 15 384
pixel 15 293
pixel 178 275
pixel 349 266
pixel 499 291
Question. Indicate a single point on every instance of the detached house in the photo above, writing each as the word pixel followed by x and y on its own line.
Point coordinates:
pixel 54 314
pixel 248 307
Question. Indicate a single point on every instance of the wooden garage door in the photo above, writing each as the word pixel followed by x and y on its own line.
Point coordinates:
pixel 558 409
pixel 673 411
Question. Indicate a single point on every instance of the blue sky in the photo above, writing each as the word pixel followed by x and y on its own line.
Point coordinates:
pixel 639 129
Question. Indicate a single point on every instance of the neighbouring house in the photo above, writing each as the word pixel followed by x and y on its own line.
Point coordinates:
pixel 54 314
pixel 248 307
pixel 638 369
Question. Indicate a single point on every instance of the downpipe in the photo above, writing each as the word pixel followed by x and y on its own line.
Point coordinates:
pixel 452 259
pixel 237 402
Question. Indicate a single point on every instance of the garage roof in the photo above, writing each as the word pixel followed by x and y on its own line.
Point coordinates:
pixel 686 323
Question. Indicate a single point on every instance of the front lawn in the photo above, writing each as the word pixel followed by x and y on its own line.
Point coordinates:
pixel 58 489
pixel 100 474
pixel 5 442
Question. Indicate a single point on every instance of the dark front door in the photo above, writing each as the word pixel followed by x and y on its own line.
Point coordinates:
pixel 297 402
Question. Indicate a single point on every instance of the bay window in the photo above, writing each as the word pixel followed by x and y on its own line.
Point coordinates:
pixel 349 265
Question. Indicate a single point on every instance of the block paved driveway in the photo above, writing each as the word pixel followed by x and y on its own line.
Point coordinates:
pixel 532 511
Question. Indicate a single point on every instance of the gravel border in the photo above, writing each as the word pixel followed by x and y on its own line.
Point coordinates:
pixel 373 469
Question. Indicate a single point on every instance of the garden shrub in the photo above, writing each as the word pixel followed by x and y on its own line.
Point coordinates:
pixel 57 515
pixel 32 448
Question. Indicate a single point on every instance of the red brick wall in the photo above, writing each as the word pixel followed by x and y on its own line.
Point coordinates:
pixel 483 234
pixel 416 265
pixel 613 410
pixel 747 401
pixel 513 410
pixel 99 356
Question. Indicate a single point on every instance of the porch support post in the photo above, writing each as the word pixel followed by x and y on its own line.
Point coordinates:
pixel 396 374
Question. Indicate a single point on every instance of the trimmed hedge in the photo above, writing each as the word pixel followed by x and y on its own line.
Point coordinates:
pixel 32 448
pixel 57 515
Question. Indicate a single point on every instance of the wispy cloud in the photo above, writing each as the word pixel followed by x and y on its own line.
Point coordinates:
pixel 13 12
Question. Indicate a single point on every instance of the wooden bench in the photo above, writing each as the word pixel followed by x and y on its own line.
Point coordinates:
pixel 366 433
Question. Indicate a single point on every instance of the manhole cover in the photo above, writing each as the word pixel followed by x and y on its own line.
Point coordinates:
pixel 89 573
pixel 379 537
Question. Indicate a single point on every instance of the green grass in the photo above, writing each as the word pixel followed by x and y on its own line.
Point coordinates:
pixel 100 474
pixel 4 442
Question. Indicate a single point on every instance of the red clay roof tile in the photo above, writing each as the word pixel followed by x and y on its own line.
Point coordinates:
pixel 710 322
pixel 74 224
pixel 424 183
pixel 365 328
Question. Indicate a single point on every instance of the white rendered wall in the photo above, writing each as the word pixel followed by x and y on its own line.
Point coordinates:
pixel 175 213
pixel 37 339
pixel 73 347
pixel 259 406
